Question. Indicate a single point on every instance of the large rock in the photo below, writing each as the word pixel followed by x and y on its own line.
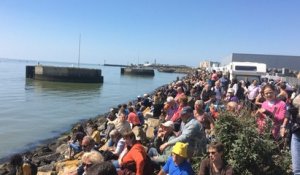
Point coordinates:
pixel 46 159
pixel 47 173
pixel 63 150
pixel 47 168
pixel 152 122
pixel 67 166
pixel 151 125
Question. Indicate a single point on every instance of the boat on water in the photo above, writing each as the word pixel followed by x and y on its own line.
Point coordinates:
pixel 142 71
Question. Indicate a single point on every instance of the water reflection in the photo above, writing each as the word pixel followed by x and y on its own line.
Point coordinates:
pixel 61 86
pixel 134 76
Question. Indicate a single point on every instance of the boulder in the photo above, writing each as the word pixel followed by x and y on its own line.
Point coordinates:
pixel 46 159
pixel 151 124
pixel 67 166
pixel 63 149
pixel 47 173
pixel 47 168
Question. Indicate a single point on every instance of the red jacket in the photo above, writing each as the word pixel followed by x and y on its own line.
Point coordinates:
pixel 136 154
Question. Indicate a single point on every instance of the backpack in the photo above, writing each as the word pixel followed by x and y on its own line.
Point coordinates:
pixel 295 122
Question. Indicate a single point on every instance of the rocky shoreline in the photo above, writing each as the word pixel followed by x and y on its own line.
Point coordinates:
pixel 50 152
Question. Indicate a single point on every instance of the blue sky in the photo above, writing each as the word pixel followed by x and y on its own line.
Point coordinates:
pixel 134 31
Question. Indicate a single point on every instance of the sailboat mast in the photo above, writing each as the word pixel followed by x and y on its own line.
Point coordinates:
pixel 79 50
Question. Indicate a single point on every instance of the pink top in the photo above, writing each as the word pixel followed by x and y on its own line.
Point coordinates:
pixel 133 118
pixel 176 115
pixel 278 108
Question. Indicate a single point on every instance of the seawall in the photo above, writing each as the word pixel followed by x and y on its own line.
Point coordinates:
pixel 64 74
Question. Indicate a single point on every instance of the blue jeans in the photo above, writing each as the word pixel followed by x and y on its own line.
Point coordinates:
pixel 153 152
pixel 75 147
pixel 116 164
pixel 295 150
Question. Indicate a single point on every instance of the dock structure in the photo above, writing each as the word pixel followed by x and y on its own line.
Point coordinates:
pixel 64 74
pixel 138 71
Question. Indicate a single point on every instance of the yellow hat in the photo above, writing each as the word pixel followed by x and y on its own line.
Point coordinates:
pixel 180 149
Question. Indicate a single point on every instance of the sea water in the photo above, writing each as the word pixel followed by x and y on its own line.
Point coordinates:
pixel 32 111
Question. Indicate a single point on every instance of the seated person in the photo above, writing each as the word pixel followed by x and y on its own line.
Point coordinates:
pixel 76 141
pixel 121 124
pixel 215 164
pixel 91 158
pixel 177 164
pixel 116 143
pixel 165 133
pixel 88 146
pixel 96 135
pixel 133 119
pixel 136 154
pixel 191 132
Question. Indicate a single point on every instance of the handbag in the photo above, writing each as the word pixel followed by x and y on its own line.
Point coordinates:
pixel 295 127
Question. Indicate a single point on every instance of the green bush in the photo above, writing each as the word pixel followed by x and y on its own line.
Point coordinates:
pixel 248 151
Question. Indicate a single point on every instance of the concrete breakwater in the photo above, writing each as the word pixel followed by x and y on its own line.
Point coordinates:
pixel 64 74
pixel 138 71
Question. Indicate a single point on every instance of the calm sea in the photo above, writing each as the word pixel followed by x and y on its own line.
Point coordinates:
pixel 31 111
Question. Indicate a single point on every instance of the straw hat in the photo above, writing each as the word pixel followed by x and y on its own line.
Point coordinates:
pixel 180 149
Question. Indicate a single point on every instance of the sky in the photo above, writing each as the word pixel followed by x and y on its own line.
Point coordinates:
pixel 180 32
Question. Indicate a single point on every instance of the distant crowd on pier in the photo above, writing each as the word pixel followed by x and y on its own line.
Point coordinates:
pixel 161 133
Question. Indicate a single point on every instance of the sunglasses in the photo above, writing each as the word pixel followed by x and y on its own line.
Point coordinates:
pixel 212 152
pixel 87 165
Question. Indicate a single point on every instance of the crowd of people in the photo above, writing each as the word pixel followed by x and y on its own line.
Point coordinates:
pixel 187 110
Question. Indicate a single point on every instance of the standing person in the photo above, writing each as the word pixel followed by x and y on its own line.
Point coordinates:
pixel 177 164
pixel 283 95
pixel 224 84
pixel 234 85
pixel 252 93
pixel 214 77
pixel 206 91
pixel 295 141
pixel 274 108
pixel 217 90
pixel 215 164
